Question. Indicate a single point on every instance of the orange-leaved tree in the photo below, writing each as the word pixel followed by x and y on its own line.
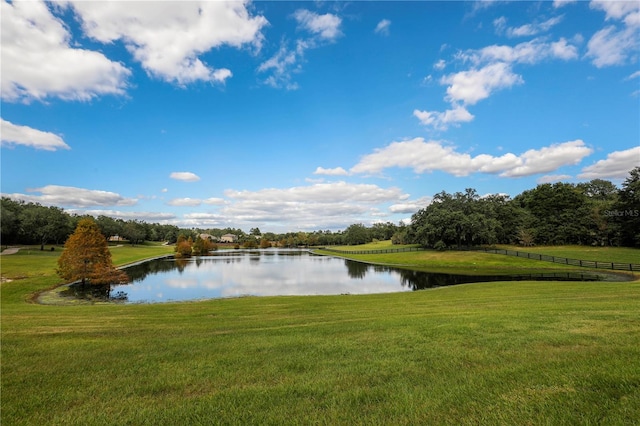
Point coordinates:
pixel 184 246
pixel 86 257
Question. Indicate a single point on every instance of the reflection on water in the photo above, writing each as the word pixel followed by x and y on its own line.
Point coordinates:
pixel 277 272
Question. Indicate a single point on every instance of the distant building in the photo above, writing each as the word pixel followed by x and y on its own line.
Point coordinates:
pixel 208 237
pixel 116 238
pixel 229 238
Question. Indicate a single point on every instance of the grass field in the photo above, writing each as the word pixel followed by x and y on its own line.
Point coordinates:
pixel 601 254
pixel 488 263
pixel 494 353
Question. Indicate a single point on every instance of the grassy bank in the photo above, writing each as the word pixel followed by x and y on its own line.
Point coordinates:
pixel 496 353
pixel 462 262
pixel 601 254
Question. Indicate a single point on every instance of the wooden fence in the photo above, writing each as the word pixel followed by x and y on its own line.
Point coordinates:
pixel 398 250
pixel 563 260
pixel 534 256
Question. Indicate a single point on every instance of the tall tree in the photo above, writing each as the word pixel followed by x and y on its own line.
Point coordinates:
pixel 599 189
pixel 134 231
pixel 356 234
pixel 509 216
pixel 602 196
pixel 43 224
pixel 459 219
pixel 627 209
pixel 383 231
pixel 559 213
pixel 86 257
pixel 9 217
pixel 109 226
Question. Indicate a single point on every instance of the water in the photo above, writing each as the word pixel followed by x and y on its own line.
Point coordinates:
pixel 277 272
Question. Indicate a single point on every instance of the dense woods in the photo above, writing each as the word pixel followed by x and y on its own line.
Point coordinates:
pixel 590 213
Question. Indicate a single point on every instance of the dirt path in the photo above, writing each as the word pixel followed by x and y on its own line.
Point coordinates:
pixel 10 250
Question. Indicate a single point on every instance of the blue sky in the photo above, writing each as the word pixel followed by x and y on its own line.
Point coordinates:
pixel 310 115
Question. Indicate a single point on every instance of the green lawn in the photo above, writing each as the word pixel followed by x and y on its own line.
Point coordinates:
pixel 463 262
pixel 378 245
pixel 495 353
pixel 601 254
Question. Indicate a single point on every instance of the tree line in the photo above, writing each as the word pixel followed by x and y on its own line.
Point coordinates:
pixel 590 213
pixel 33 223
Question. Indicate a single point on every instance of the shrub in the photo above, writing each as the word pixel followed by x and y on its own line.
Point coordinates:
pixel 440 246
pixel 184 247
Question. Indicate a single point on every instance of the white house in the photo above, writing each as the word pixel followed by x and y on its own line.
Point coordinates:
pixel 229 238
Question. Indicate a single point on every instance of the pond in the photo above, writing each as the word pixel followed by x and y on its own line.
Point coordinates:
pixel 277 272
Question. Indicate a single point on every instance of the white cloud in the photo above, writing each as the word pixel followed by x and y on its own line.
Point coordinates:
pixel 283 65
pixel 411 206
pixel 287 61
pixel 616 166
pixel 442 120
pixel 383 27
pixel 553 178
pixel 194 202
pixel 483 4
pixel 427 156
pixel 529 52
pixel 634 75
pixel 500 24
pixel 549 158
pixel 205 220
pixel 633 19
pixel 150 217
pixel 13 134
pixel 492 70
pixel 33 37
pixel 440 65
pixel 55 195
pixel 338 171
pixel 420 155
pixel 167 38
pixel 214 201
pixel 562 3
pixel 318 206
pixel 612 45
pixel 185 176
pixel 474 85
pixel 320 193
pixel 562 50
pixel 616 9
pixel 180 202
pixel 325 26
pixel 531 29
